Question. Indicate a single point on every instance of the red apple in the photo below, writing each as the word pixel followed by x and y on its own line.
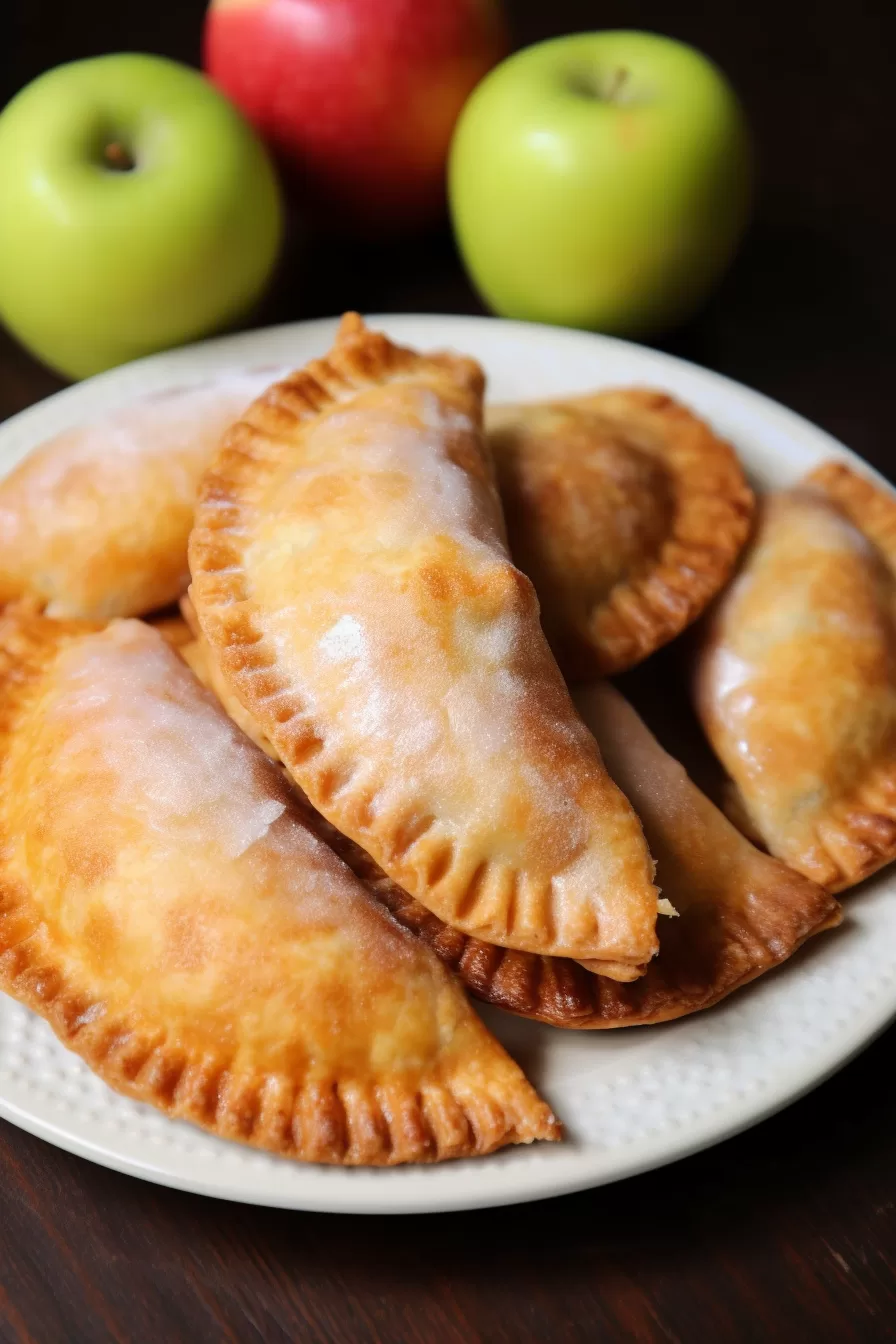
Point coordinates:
pixel 359 96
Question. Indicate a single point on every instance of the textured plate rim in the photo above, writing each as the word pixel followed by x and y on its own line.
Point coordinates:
pixel 520 1188
pixel 336 1189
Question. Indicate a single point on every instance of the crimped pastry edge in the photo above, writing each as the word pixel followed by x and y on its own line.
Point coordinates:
pixel 858 836
pixel 359 359
pixel 558 990
pixel 336 1123
pixel 711 524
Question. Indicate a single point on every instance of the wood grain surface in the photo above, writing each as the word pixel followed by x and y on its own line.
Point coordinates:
pixel 787 1232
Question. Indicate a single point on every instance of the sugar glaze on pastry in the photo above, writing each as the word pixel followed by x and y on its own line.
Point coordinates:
pixel 351 578
pixel 168 909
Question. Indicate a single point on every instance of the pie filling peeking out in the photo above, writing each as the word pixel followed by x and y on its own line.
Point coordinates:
pixel 796 679
pixel 166 907
pixel 626 512
pixel 740 912
pixel 351 577
pixel 94 523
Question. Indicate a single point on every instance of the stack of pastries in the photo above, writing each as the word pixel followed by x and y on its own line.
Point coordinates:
pixel 253 852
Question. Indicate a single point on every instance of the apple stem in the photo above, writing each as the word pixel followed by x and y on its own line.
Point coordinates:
pixel 614 84
pixel 117 157
pixel 604 85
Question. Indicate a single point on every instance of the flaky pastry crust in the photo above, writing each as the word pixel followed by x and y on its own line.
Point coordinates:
pixel 796 680
pixel 94 523
pixel 351 578
pixel 628 514
pixel 740 912
pixel 166 908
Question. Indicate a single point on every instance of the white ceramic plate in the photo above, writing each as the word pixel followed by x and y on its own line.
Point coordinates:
pixel 631 1099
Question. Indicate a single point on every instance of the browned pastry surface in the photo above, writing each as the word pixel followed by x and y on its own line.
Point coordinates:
pixel 796 680
pixel 628 514
pixel 165 906
pixel 351 577
pixel 94 523
pixel 740 912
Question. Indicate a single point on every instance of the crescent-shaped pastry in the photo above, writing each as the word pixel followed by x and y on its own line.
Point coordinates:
pixel 796 681
pixel 94 523
pixel 740 912
pixel 166 908
pixel 627 513
pixel 351 577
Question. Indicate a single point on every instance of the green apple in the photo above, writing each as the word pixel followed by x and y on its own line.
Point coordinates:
pixel 138 210
pixel 601 181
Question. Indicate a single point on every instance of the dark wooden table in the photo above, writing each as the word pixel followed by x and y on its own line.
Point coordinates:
pixel 785 1233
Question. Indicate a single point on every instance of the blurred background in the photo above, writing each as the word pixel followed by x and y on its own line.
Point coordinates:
pixel 808 313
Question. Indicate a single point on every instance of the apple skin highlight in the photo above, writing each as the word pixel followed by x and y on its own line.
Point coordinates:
pixel 357 98
pixel 139 211
pixel 601 181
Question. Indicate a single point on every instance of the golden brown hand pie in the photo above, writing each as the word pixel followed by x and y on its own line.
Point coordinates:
pixel 796 682
pixel 95 522
pixel 626 512
pixel 168 911
pixel 740 912
pixel 351 578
